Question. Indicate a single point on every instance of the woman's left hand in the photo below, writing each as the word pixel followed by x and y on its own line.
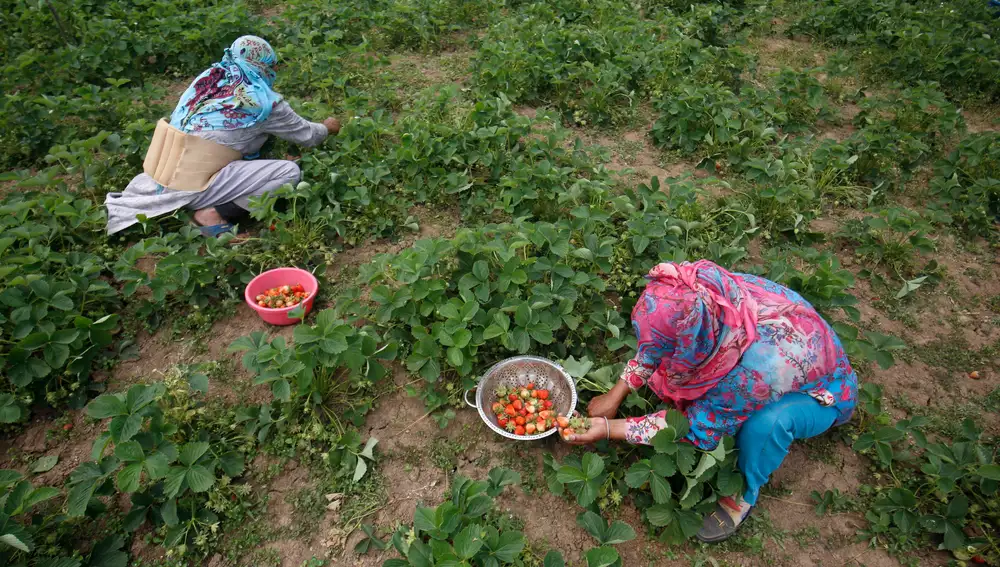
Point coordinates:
pixel 598 430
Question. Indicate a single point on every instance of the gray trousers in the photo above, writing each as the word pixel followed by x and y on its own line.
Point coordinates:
pixel 240 180
pixel 236 183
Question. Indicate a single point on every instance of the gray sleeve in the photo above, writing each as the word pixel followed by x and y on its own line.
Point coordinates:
pixel 285 124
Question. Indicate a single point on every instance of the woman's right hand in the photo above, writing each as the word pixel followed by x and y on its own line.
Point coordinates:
pixel 332 125
pixel 606 405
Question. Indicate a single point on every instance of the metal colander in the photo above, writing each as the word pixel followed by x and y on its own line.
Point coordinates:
pixel 519 371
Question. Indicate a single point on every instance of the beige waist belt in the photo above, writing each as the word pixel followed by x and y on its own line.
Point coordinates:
pixel 184 162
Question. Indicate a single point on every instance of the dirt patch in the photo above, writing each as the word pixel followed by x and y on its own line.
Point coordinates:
pixel 419 71
pixel 982 119
pixel 777 52
pixel 272 13
pixel 843 128
pixel 45 438
pixel 442 223
pixel 160 352
pixel 529 111
pixel 636 160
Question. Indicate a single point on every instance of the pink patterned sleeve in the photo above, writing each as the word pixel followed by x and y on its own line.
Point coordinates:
pixel 635 374
pixel 640 430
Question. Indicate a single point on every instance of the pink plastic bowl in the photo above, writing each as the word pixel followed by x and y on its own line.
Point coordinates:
pixel 278 277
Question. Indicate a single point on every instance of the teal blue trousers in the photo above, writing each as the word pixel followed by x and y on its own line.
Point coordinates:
pixel 765 437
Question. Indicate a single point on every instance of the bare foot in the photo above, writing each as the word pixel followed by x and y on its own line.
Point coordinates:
pixel 208 217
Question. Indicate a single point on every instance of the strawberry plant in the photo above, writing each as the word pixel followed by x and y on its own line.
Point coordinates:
pixel 190 272
pixel 817 276
pixel 940 492
pixel 891 240
pixel 902 130
pixel 967 183
pixel 949 43
pixel 28 534
pixel 168 459
pixel 18 497
pixel 460 530
pixel 57 322
pixel 673 483
pixel 803 99
pixel 331 361
pixel 591 60
pixel 712 119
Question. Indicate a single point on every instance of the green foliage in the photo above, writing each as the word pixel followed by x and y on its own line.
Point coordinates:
pixel 832 501
pixel 160 449
pixel 62 56
pixel 967 183
pixel 530 286
pixel 710 118
pixel 803 98
pixel 548 259
pixel 672 482
pixel 902 130
pixel 952 43
pixel 24 525
pixel 591 59
pixel 459 530
pixel 938 492
pixel 892 240
pixel 191 271
pixel 604 533
pixel 58 318
pixel 817 276
pixel 332 360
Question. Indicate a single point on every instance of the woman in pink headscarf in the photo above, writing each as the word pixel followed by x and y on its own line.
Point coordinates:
pixel 739 355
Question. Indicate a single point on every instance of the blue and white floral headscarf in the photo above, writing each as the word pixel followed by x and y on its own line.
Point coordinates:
pixel 233 93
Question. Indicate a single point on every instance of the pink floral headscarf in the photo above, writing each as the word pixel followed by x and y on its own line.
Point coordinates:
pixel 694 322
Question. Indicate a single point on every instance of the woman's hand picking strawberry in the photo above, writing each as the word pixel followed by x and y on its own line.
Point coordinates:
pixel 598 430
pixel 606 405
pixel 582 430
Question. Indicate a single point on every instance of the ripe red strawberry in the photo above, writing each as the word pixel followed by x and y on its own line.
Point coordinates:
pixel 519 430
pixel 502 422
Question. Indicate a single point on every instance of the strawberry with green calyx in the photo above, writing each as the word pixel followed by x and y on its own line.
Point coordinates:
pixel 579 423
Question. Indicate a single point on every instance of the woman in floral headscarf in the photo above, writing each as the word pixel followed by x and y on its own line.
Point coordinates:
pixel 740 356
pixel 232 103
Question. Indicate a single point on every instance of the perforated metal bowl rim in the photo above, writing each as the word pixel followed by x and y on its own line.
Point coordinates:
pixel 527 358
